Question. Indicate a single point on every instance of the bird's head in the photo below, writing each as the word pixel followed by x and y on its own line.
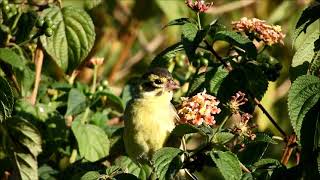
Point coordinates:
pixel 156 82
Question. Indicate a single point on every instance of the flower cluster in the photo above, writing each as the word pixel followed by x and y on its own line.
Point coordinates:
pixel 96 61
pixel 262 31
pixel 236 101
pixel 198 5
pixel 242 128
pixel 199 109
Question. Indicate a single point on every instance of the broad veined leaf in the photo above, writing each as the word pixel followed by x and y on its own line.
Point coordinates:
pixel 305 52
pixel 9 56
pixel 180 21
pixel 163 59
pixel 222 137
pixel 73 37
pixel 228 164
pixel 47 172
pixel 27 166
pixel 214 79
pixel 167 162
pixel 76 102
pixel 93 143
pixel 6 99
pixel 196 83
pixel 127 165
pixel 111 97
pixel 91 175
pixel 266 163
pixel 25 133
pixel 182 129
pixel 303 95
pixel 191 38
pixel 237 40
pixel 308 16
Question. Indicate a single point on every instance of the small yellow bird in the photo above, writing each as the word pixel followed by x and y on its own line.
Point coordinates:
pixel 150 117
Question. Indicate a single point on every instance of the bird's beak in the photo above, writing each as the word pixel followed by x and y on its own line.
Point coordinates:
pixel 172 85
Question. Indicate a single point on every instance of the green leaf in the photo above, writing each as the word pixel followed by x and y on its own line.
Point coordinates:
pixel 191 38
pixel 125 176
pixel 196 83
pixel 228 164
pixel 180 21
pixel 315 63
pixel 26 166
pixel 167 162
pixel 46 172
pixel 93 143
pixel 73 37
pixel 25 133
pixel 112 170
pixel 214 79
pixel 111 97
pixel 163 59
pixel 9 56
pixel 6 99
pixel 182 129
pixel 76 102
pixel 263 137
pixel 237 40
pixel 266 163
pixel 304 54
pixel 129 166
pixel 303 95
pixel 91 175
pixel 25 25
pixel 222 137
pixel 308 16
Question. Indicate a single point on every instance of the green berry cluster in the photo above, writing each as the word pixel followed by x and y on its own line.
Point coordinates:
pixel 45 25
pixel 8 10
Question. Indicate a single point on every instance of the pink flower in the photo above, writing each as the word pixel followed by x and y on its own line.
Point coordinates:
pixel 198 5
pixel 242 128
pixel 199 109
pixel 261 31
pixel 236 101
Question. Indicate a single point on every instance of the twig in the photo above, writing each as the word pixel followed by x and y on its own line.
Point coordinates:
pixel 289 148
pixel 230 7
pixel 256 101
pixel 244 168
pixel 38 59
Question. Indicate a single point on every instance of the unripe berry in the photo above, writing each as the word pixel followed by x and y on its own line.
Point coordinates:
pixel 48 32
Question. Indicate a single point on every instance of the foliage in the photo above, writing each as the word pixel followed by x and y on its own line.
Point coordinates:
pixel 55 124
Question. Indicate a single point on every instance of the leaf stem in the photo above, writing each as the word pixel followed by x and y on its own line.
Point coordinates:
pixel 94 81
pixel 199 22
pixel 38 61
pixel 256 101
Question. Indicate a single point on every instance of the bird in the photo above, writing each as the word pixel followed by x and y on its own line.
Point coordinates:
pixel 150 117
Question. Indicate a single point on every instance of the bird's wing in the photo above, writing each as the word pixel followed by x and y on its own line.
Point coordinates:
pixel 174 111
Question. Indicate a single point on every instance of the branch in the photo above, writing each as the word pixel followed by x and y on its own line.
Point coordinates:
pixel 289 148
pixel 256 101
pixel 38 59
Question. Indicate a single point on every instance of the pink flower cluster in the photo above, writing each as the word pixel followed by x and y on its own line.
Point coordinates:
pixel 198 5
pixel 262 31
pixel 199 109
pixel 242 128
pixel 236 101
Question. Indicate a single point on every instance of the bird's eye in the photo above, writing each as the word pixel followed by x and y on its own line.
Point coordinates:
pixel 158 81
